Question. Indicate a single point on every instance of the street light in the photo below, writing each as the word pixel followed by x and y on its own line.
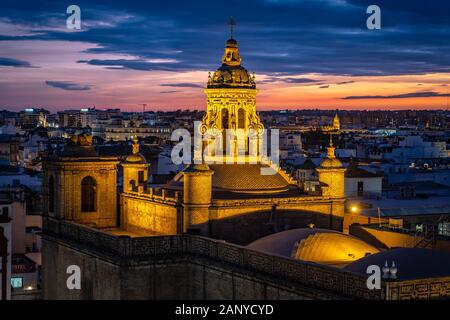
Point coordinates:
pixel 354 209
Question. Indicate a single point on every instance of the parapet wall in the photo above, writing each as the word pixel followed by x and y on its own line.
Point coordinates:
pixel 191 255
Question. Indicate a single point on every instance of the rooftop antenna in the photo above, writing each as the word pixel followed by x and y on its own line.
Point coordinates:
pixel 143 107
pixel 232 23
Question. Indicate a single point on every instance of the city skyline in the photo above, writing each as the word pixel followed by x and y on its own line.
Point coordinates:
pixel 306 54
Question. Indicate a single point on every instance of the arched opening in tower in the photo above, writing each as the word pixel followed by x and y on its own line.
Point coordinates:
pixel 225 119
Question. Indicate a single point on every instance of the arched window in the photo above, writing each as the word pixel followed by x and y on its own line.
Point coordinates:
pixel 225 119
pixel 51 194
pixel 88 195
pixel 241 119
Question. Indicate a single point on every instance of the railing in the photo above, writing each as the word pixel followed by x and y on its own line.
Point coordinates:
pixel 157 193
pixel 300 272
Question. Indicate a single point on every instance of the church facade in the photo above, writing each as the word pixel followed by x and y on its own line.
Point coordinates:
pixel 219 198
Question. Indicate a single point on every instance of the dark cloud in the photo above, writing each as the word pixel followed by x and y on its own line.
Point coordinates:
pixel 299 80
pixel 344 82
pixel 324 87
pixel 427 94
pixel 16 63
pixel 288 37
pixel 169 91
pixel 135 64
pixel 67 85
pixel 291 80
pixel 182 85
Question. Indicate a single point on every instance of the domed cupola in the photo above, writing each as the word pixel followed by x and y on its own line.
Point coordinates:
pixel 231 73
pixel 135 156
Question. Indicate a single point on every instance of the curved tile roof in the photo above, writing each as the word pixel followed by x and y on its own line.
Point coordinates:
pixel 315 245
pixel 246 178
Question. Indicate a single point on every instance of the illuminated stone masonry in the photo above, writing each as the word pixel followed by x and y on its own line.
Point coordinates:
pixel 152 233
pixel 167 242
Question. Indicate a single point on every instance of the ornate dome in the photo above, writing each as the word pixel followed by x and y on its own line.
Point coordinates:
pixel 332 248
pixel 331 161
pixel 231 73
pixel 136 157
pixel 316 245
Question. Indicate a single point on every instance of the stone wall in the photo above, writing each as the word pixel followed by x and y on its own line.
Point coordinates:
pixel 194 267
pixel 68 176
pixel 182 267
pixel 141 213
pixel 243 221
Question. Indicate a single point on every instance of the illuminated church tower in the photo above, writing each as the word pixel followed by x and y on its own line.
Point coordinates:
pixel 331 173
pixel 336 122
pixel 231 104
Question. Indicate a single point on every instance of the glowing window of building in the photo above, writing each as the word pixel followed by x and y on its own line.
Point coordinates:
pixel 16 282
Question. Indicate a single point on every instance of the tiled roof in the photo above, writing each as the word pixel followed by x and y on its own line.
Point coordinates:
pixel 353 171
pixel 246 177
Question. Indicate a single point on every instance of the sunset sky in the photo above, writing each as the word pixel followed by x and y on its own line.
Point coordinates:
pixel 305 53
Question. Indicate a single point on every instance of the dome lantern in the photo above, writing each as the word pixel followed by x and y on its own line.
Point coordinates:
pixel 231 74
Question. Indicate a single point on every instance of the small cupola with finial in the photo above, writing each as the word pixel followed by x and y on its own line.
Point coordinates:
pixel 331 173
pixel 231 73
pixel 135 169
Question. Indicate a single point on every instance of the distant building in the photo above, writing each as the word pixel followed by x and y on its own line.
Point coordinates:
pixel 77 118
pixel 11 149
pixel 32 118
pixel 335 126
pixel 362 183
pixel 125 129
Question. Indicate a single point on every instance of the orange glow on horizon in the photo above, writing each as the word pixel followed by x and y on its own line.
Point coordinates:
pixel 168 90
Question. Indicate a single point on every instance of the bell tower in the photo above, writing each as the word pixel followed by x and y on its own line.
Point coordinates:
pixel 331 176
pixel 231 105
pixel 331 173
pixel 336 122
pixel 81 186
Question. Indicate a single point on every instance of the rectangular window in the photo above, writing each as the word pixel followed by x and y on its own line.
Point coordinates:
pixel 16 282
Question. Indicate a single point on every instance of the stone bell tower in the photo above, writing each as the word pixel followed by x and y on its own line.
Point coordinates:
pixel 231 105
pixel 81 186
pixel 331 175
